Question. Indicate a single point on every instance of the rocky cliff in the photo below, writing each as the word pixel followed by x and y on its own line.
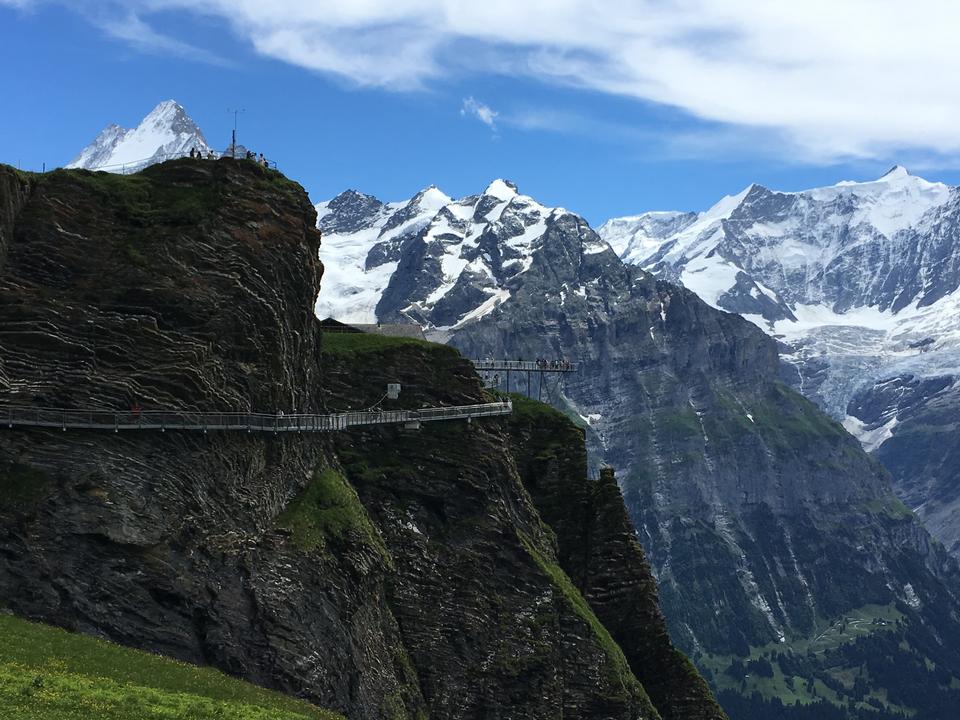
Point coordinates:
pixel 599 550
pixel 381 573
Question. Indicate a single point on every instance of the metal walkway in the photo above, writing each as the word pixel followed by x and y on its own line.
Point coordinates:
pixel 497 371
pixel 547 366
pixel 249 422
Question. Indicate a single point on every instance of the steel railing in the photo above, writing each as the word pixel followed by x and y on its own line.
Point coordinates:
pixel 14 416
pixel 134 166
pixel 531 365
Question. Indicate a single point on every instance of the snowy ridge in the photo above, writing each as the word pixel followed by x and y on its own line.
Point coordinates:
pixel 859 280
pixel 789 243
pixel 166 132
pixel 353 279
pixel 461 258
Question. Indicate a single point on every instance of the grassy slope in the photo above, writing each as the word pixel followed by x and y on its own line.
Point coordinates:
pixel 48 673
pixel 617 666
pixel 343 343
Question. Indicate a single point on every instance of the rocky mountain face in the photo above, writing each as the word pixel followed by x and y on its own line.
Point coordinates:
pixel 860 282
pixel 775 539
pixel 599 550
pixel 432 260
pixel 383 573
pixel 166 132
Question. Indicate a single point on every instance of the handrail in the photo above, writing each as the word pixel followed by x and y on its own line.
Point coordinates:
pixel 137 165
pixel 533 365
pixel 18 416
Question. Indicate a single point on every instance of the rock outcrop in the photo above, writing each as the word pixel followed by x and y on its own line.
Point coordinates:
pixel 382 573
pixel 599 550
pixel 186 286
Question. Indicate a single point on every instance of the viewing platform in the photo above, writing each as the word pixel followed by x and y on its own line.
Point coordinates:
pixel 523 375
pixel 550 366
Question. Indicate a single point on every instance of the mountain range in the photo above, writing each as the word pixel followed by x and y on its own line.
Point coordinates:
pixel 860 284
pixel 787 567
pixel 773 536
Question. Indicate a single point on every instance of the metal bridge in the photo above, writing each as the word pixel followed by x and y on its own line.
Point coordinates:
pixel 494 371
pixel 12 416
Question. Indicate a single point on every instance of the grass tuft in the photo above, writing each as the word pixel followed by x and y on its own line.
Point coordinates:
pixel 328 510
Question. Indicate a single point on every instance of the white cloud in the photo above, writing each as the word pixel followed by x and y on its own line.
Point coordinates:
pixel 484 113
pixel 830 79
pixel 131 28
pixel 124 21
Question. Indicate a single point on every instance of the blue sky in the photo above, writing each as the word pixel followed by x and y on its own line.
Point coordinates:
pixel 658 106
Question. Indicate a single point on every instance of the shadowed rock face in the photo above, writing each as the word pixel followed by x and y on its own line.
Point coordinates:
pixel 182 286
pixel 463 510
pixel 189 285
pixel 598 548
pixel 380 573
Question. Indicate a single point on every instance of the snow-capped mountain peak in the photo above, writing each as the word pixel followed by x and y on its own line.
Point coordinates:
pixel 431 198
pixel 897 172
pixel 166 132
pixel 502 190
pixel 439 261
pixel 168 116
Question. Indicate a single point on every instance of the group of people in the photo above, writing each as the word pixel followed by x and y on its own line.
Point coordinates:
pixel 545 364
pixel 260 160
pixel 198 154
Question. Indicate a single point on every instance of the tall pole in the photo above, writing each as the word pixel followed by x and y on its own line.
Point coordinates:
pixel 233 143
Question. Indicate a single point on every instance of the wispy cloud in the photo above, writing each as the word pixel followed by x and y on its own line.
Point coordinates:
pixel 827 79
pixel 130 28
pixel 472 107
pixel 124 21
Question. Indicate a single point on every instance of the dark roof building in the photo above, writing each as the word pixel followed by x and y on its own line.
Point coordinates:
pixel 411 330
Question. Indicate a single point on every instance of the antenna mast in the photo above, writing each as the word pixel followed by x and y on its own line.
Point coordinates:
pixel 233 142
